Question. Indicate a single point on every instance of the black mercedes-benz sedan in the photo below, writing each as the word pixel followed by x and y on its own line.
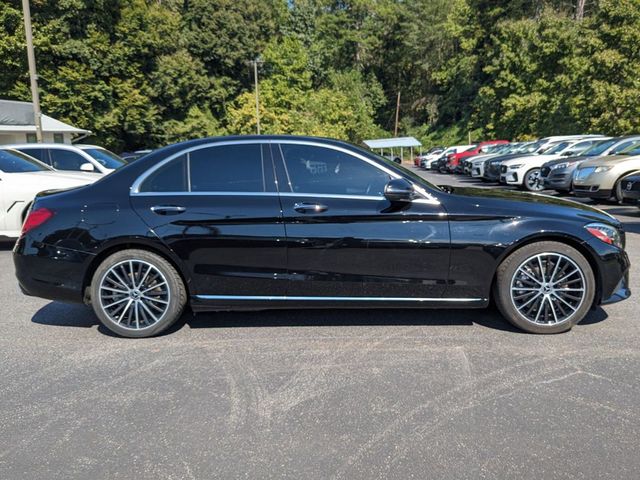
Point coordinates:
pixel 269 222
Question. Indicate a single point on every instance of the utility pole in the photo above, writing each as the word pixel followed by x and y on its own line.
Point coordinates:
pixel 395 130
pixel 35 97
pixel 255 63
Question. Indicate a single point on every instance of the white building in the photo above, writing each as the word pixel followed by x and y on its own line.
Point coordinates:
pixel 17 125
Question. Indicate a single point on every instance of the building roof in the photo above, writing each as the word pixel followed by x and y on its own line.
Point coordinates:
pixel 393 142
pixel 18 117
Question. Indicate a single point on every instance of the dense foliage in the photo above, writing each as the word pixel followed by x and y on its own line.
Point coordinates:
pixel 145 73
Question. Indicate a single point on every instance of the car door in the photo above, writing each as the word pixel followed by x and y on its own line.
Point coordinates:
pixel 217 208
pixel 345 239
pixel 3 202
pixel 67 160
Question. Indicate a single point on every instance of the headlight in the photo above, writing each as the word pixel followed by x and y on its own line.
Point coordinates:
pixel 602 169
pixel 562 165
pixel 515 167
pixel 606 233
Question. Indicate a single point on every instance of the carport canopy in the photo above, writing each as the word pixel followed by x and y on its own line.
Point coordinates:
pixel 391 143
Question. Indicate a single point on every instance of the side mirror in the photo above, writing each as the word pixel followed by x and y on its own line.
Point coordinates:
pixel 87 167
pixel 399 190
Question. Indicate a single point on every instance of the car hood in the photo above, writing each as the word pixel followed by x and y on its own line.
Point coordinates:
pixel 579 158
pixel 537 158
pixel 522 202
pixel 608 160
pixel 55 179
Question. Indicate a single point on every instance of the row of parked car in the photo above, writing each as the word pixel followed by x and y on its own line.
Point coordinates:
pixel 593 166
pixel 27 169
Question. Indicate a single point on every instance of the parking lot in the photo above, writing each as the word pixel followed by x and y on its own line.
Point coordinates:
pixel 320 394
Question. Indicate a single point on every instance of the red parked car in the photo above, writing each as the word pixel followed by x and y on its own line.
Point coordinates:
pixel 453 161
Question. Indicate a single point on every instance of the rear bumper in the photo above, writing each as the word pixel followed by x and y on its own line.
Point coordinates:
pixel 50 272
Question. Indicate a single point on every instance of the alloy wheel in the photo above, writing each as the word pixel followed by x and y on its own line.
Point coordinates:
pixel 548 288
pixel 134 294
pixel 533 181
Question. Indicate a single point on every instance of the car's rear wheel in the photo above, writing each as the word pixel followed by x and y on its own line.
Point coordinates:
pixel 545 287
pixel 136 293
pixel 532 180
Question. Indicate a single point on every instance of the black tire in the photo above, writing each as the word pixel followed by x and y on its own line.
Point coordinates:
pixel 173 303
pixel 505 278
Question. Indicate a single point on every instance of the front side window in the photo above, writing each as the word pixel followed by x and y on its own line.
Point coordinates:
pixel 314 169
pixel 67 160
pixel 225 168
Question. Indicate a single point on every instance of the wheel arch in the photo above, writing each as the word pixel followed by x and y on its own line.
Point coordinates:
pixel 134 244
pixel 566 239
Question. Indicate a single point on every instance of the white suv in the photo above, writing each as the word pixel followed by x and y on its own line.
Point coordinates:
pixel 524 171
pixel 73 158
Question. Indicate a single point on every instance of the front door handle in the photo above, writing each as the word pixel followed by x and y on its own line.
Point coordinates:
pixel 168 209
pixel 306 207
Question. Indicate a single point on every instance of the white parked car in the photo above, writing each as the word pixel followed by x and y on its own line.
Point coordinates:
pixel 21 179
pixel 73 158
pixel 524 171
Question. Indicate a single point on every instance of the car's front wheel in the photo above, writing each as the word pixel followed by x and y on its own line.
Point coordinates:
pixel 545 287
pixel 532 180
pixel 136 293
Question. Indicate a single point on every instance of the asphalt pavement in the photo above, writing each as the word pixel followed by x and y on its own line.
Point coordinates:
pixel 337 394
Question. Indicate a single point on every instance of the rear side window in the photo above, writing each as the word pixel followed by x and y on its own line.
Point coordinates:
pixel 171 177
pixel 227 168
pixel 39 153
pixel 66 160
pixel 313 169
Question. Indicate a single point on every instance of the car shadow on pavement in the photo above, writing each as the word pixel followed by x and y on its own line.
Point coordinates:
pixel 72 315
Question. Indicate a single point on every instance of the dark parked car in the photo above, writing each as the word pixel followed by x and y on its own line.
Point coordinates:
pixel 630 188
pixel 558 174
pixel 268 222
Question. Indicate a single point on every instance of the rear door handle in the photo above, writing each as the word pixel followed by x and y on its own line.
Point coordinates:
pixel 168 209
pixel 306 207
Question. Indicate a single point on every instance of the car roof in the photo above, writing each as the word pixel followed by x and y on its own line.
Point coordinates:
pixel 50 145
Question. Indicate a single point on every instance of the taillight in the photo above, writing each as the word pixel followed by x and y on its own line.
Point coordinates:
pixel 36 218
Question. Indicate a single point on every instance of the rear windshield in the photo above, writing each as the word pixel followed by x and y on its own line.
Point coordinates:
pixel 12 161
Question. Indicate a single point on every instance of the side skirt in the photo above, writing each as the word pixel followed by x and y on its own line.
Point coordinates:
pixel 204 303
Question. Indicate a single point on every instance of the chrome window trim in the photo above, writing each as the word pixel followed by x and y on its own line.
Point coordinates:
pixel 331 299
pixel 135 188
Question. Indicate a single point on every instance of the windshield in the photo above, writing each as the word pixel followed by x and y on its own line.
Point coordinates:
pixel 12 161
pixel 530 147
pixel 557 148
pixel 621 147
pixel 580 147
pixel 105 158
pixel 599 148
pixel 633 149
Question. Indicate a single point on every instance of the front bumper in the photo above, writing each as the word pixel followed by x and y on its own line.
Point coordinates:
pixel 621 292
pixel 591 191
pixel 558 180
pixel 510 178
